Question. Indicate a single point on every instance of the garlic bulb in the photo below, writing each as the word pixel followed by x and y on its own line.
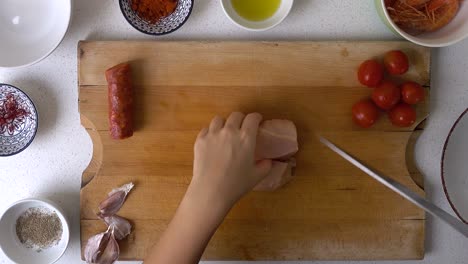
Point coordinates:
pixel 103 248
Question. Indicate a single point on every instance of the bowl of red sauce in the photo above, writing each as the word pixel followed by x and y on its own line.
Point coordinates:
pixel 18 120
pixel 156 17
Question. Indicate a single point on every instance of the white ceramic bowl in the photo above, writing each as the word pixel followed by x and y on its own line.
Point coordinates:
pixel 271 22
pixel 17 252
pixel 31 30
pixel 452 33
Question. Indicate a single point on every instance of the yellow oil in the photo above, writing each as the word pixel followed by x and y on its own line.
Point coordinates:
pixel 256 10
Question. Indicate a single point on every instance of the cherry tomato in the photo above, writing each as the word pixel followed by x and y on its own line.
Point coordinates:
pixel 396 62
pixel 412 93
pixel 370 73
pixel 402 115
pixel 386 95
pixel 365 113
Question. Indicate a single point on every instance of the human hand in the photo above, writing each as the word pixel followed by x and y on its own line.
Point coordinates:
pixel 224 170
pixel 224 166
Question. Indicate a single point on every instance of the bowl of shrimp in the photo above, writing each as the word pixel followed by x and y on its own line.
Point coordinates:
pixel 430 23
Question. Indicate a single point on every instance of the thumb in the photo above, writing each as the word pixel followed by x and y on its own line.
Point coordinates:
pixel 262 168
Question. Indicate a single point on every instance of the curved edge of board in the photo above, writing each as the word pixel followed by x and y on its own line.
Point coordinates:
pixel 411 165
pixel 417 176
pixel 410 158
pixel 96 161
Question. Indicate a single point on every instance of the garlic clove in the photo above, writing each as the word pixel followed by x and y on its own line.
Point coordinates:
pixel 111 252
pixel 95 246
pixel 114 201
pixel 102 248
pixel 119 225
pixel 126 188
pixel 112 204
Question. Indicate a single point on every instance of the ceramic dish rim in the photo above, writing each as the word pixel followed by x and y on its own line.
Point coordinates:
pixel 257 29
pixel 52 49
pixel 442 174
pixel 37 122
pixel 157 34
pixel 410 37
pixel 56 208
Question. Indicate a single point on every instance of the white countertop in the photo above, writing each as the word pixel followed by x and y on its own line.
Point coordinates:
pixel 51 167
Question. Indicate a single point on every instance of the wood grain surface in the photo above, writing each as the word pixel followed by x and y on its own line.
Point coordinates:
pixel 331 210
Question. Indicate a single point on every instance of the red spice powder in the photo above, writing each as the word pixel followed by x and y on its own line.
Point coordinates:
pixel 154 10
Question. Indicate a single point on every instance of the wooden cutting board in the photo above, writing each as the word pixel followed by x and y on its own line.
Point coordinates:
pixel 331 210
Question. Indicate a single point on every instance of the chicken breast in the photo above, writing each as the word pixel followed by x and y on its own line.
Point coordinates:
pixel 280 174
pixel 277 140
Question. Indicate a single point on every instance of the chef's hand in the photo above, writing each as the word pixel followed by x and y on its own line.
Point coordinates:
pixel 224 170
pixel 224 166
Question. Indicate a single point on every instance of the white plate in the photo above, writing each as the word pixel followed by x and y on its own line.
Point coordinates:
pixel 31 30
pixel 455 167
pixel 17 252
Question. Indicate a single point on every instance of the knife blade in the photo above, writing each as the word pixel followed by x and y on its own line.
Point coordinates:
pixel 401 190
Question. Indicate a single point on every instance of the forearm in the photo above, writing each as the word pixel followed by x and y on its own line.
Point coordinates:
pixel 224 170
pixel 190 230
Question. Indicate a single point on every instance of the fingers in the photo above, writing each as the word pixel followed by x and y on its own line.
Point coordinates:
pixel 216 124
pixel 251 123
pixel 202 133
pixel 235 120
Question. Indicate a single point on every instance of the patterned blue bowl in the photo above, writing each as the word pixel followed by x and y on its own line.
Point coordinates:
pixel 164 26
pixel 18 120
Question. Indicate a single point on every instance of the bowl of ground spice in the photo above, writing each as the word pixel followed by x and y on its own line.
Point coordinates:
pixel 156 17
pixel 34 231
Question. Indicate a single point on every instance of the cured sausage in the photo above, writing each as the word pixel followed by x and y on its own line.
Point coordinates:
pixel 120 96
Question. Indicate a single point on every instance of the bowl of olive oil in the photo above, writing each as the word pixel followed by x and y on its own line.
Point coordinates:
pixel 257 15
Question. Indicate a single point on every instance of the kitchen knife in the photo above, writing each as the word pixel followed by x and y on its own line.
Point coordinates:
pixel 402 190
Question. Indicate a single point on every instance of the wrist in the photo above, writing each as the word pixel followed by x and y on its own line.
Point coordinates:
pixel 206 202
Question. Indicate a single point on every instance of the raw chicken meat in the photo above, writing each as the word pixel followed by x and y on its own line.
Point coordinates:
pixel 277 140
pixel 280 174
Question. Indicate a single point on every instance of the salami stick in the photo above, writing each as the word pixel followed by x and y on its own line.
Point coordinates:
pixel 120 96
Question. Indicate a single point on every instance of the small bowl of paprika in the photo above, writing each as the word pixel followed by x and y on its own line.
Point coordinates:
pixel 156 17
